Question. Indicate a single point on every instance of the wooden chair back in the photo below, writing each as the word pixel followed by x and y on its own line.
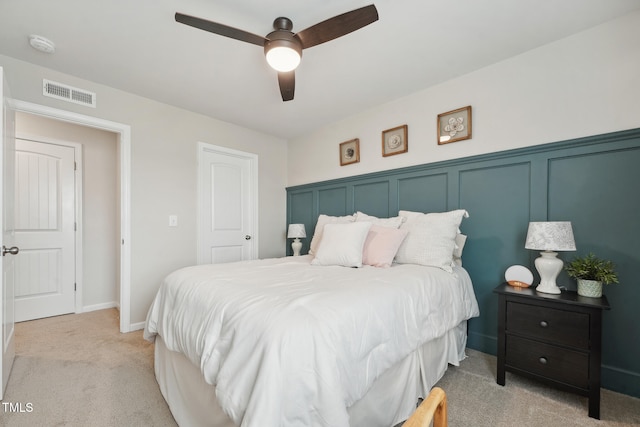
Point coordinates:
pixel 434 407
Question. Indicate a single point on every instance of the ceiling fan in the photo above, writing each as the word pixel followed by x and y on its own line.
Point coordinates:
pixel 283 48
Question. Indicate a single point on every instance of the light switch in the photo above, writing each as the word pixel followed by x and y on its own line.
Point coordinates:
pixel 173 220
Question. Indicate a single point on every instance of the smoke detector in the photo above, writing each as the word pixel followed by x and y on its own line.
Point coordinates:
pixel 42 44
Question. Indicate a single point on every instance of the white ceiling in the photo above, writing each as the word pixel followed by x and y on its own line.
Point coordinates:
pixel 136 46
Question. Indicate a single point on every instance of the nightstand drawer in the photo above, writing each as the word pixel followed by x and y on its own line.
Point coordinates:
pixel 568 328
pixel 561 364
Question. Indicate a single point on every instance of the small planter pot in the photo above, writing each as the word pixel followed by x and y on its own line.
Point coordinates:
pixel 589 288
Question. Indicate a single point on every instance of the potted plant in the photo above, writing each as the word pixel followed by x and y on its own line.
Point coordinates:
pixel 591 273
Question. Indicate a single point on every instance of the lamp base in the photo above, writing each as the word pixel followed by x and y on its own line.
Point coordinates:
pixel 296 245
pixel 549 266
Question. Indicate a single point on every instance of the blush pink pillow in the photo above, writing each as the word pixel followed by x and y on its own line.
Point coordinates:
pixel 381 245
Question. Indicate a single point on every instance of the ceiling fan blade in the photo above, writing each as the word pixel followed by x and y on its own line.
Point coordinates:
pixel 223 30
pixel 287 81
pixel 337 26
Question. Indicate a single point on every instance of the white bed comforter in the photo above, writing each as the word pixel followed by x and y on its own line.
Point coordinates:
pixel 290 344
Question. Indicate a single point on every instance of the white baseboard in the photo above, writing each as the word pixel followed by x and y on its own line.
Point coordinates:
pixel 107 305
pixel 102 306
pixel 137 326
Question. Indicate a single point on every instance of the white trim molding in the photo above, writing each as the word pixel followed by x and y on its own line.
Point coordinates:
pixel 96 307
pixel 124 140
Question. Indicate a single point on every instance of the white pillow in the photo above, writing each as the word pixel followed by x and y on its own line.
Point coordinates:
pixel 406 215
pixel 322 221
pixel 394 222
pixel 461 239
pixel 342 244
pixel 431 238
pixel 382 245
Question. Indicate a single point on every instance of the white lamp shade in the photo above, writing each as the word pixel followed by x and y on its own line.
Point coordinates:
pixel 296 231
pixel 550 236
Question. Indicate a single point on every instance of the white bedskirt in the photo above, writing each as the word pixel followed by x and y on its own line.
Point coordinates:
pixel 391 399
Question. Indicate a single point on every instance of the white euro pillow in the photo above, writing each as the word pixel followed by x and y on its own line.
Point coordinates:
pixel 322 221
pixel 342 244
pixel 461 239
pixel 393 222
pixel 431 238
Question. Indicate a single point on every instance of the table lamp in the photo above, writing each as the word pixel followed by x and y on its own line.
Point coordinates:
pixel 548 237
pixel 296 232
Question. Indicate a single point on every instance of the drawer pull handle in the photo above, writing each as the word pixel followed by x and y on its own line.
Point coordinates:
pixel 543 360
pixel 543 324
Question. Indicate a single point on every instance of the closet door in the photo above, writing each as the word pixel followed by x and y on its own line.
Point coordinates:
pixel 227 205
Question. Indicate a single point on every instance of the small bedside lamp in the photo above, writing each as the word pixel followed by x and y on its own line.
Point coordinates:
pixel 549 237
pixel 296 231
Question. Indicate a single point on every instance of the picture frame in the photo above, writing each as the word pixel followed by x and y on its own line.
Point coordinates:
pixel 395 141
pixel 350 152
pixel 454 125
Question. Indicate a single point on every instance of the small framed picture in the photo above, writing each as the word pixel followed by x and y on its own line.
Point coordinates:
pixel 394 141
pixel 454 125
pixel 350 152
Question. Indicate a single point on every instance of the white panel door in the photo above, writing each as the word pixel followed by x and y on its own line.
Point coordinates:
pixel 45 229
pixel 7 314
pixel 228 195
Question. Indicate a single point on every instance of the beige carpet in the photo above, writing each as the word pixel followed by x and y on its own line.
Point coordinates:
pixel 78 370
pixel 475 399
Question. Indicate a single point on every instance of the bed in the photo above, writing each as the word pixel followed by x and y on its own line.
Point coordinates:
pixel 311 340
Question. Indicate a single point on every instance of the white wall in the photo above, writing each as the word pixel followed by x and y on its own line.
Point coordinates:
pixel 100 208
pixel 583 85
pixel 163 162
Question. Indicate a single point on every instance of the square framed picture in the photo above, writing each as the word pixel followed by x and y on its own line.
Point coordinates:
pixel 454 125
pixel 350 152
pixel 394 141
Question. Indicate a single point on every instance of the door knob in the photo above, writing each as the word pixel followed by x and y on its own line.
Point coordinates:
pixel 247 237
pixel 13 250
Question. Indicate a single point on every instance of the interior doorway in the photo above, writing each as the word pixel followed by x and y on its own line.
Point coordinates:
pixel 67 218
pixel 122 134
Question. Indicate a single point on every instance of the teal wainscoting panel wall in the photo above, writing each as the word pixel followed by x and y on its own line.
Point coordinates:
pixel 302 212
pixel 423 193
pixel 497 199
pixel 591 182
pixel 598 193
pixel 372 198
pixel 335 201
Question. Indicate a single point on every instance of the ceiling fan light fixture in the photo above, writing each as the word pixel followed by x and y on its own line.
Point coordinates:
pixel 283 59
pixel 282 48
pixel 283 54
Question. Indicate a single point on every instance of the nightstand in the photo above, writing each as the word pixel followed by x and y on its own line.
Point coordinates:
pixel 552 338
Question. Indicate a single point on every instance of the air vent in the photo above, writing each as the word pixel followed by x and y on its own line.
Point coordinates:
pixel 68 93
